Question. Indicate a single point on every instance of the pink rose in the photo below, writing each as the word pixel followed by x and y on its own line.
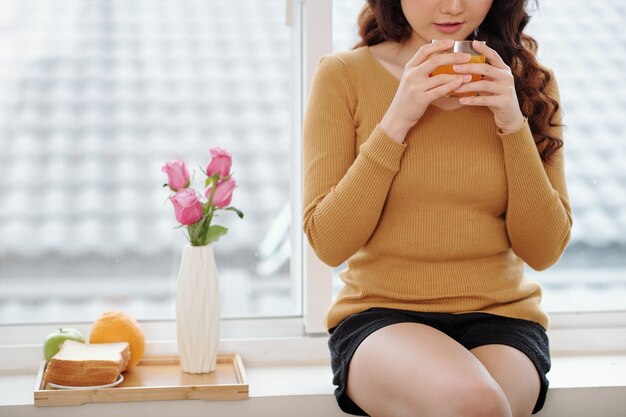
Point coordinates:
pixel 220 162
pixel 177 174
pixel 223 193
pixel 187 206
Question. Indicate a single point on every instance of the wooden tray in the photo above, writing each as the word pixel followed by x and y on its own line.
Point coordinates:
pixel 156 378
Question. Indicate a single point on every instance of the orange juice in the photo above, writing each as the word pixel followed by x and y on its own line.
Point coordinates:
pixel 447 69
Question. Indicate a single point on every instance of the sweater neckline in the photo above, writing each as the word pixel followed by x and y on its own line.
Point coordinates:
pixel 389 75
pixel 380 66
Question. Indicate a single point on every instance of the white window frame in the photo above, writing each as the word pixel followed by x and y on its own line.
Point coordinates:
pixel 311 22
pixel 317 41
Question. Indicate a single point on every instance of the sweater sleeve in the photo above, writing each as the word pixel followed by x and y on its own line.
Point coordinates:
pixel 344 193
pixel 538 217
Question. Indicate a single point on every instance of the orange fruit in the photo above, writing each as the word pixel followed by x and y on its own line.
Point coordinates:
pixel 117 326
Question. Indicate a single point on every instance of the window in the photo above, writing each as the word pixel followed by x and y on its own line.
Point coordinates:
pixel 96 96
pixel 587 60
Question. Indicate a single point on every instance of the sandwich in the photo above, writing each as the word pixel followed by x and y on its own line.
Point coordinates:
pixel 79 364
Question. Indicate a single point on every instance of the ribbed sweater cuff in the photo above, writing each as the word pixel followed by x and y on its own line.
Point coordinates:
pixel 383 150
pixel 523 133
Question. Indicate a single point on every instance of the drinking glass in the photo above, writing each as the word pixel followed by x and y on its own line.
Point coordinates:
pixel 477 58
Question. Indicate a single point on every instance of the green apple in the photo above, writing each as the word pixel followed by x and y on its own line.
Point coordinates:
pixel 54 341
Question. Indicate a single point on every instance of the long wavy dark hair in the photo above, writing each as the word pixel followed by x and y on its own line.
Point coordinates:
pixel 382 20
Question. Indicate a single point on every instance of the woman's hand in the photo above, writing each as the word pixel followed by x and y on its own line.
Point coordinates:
pixel 418 89
pixel 497 89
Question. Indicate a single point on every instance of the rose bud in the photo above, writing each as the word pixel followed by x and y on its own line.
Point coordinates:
pixel 223 193
pixel 177 174
pixel 220 162
pixel 187 206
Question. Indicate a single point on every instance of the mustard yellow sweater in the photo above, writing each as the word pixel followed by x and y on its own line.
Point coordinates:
pixel 441 223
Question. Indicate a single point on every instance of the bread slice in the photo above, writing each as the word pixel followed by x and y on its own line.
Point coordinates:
pixel 80 364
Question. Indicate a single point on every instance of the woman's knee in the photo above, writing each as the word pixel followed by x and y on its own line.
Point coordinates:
pixel 474 398
pixel 480 397
pixel 469 398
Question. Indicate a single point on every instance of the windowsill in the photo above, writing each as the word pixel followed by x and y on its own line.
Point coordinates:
pixel 581 385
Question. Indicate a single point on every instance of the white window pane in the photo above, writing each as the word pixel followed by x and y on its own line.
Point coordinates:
pixel 95 96
pixel 583 43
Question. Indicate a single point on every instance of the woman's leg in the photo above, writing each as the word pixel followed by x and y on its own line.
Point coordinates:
pixel 515 373
pixel 414 370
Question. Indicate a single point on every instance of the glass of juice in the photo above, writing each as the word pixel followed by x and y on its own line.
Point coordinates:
pixel 477 58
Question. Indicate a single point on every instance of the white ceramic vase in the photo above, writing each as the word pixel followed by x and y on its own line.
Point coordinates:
pixel 198 310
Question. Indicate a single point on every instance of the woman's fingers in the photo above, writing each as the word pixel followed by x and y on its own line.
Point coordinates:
pixel 442 60
pixel 488 101
pixel 481 86
pixel 483 69
pixel 427 50
pixel 491 55
pixel 430 51
pixel 444 79
pixel 496 80
pixel 446 88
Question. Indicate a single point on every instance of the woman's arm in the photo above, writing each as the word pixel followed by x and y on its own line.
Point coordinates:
pixel 344 193
pixel 538 216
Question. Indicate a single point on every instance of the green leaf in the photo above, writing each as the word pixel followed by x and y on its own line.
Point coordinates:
pixel 236 210
pixel 215 232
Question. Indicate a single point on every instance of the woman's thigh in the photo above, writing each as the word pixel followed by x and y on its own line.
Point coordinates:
pixel 411 369
pixel 515 373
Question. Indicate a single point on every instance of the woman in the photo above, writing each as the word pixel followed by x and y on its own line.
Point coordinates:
pixel 436 203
